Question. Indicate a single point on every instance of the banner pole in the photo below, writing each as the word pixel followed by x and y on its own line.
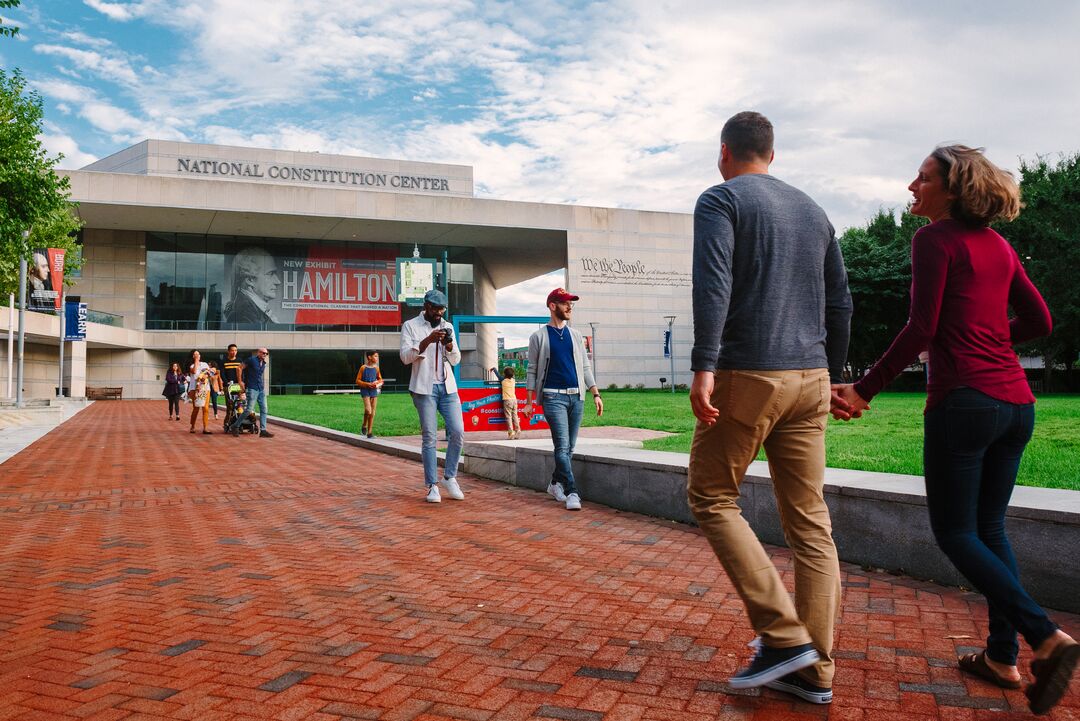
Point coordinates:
pixel 10 341
pixel 22 330
pixel 63 324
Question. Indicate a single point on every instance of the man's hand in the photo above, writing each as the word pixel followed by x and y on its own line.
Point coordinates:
pixel 846 403
pixel 434 336
pixel 700 398
pixel 838 407
pixel 527 409
pixel 599 405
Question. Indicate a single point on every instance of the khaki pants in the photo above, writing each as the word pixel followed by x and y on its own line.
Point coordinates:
pixel 513 424
pixel 786 411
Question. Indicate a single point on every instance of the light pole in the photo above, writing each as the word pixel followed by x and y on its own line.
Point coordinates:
pixel 592 329
pixel 671 346
pixel 22 318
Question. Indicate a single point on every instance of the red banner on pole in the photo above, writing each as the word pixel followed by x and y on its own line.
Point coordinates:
pixel 45 281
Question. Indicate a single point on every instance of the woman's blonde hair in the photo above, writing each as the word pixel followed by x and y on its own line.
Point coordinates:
pixel 984 192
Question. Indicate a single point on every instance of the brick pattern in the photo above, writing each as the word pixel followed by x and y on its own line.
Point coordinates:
pixel 148 573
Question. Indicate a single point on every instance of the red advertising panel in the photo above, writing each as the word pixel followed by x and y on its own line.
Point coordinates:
pixel 342 286
pixel 45 280
pixel 481 409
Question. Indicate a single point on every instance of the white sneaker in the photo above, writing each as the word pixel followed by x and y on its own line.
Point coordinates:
pixel 555 489
pixel 433 495
pixel 453 489
pixel 573 502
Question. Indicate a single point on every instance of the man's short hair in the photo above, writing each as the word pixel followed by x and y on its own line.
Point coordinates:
pixel 748 135
pixel 231 345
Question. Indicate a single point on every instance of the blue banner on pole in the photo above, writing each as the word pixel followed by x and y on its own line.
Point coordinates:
pixel 667 344
pixel 75 323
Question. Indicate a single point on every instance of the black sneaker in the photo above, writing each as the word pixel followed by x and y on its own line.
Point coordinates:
pixel 770 664
pixel 796 685
pixel 268 434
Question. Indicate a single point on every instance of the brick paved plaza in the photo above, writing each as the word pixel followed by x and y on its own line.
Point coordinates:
pixel 149 573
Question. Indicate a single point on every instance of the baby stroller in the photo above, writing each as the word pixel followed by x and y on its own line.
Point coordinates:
pixel 237 419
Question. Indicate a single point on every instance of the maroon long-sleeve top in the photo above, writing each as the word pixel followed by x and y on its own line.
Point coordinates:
pixel 963 281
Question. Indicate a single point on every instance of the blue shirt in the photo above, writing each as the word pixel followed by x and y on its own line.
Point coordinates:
pixel 253 373
pixel 562 373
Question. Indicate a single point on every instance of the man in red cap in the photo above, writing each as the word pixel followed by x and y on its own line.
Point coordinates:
pixel 559 374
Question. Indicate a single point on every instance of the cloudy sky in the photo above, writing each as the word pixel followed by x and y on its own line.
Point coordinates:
pixel 606 103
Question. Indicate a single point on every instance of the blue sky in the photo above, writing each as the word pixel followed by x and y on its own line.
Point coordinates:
pixel 601 103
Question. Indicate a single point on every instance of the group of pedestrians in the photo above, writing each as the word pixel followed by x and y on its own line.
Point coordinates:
pixel 559 376
pixel 201 383
pixel 772 315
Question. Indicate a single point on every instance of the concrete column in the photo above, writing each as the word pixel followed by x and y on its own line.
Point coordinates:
pixel 76 370
pixel 487 344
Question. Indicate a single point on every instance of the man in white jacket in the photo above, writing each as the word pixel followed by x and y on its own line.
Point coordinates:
pixel 427 346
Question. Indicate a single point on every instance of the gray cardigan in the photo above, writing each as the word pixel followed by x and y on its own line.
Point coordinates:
pixel 540 358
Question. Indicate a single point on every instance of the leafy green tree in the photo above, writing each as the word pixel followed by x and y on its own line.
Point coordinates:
pixel 1047 237
pixel 878 260
pixel 10 31
pixel 32 196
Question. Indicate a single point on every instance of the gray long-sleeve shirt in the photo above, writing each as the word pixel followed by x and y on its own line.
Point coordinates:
pixel 770 287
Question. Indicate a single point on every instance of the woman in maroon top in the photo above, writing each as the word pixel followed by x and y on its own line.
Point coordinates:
pixel 979 409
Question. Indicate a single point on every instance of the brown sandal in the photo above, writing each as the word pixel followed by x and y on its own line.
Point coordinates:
pixel 1052 677
pixel 975 664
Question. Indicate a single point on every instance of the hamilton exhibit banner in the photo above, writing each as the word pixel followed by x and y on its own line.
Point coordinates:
pixel 326 285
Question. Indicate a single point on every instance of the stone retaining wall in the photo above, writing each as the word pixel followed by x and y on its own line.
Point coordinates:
pixel 879 519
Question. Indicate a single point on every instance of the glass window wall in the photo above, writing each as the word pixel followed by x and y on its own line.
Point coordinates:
pixel 214 282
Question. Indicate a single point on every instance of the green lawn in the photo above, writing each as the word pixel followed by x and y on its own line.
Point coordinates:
pixel 888 438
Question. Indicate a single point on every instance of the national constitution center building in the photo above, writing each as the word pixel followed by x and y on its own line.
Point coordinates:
pixel 189 246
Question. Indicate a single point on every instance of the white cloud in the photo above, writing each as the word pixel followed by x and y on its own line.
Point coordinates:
pixel 123 12
pixel 525 299
pixel 55 141
pixel 64 91
pixel 624 109
pixel 110 68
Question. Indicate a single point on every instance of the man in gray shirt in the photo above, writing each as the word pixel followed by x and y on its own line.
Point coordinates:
pixel 771 324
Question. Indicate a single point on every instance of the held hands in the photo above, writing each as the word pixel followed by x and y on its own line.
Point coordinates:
pixel 846 402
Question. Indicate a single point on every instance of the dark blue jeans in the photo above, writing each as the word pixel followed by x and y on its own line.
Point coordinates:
pixel 563 413
pixel 971 453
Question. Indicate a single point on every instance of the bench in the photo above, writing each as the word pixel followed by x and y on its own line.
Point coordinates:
pixel 105 393
pixel 320 392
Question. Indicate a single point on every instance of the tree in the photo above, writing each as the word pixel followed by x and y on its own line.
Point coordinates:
pixel 1047 237
pixel 10 31
pixel 32 196
pixel 878 260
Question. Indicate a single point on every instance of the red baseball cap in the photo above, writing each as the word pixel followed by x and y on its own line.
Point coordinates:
pixel 559 295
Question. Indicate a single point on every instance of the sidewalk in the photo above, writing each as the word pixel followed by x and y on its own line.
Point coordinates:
pixel 20 428
pixel 149 573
